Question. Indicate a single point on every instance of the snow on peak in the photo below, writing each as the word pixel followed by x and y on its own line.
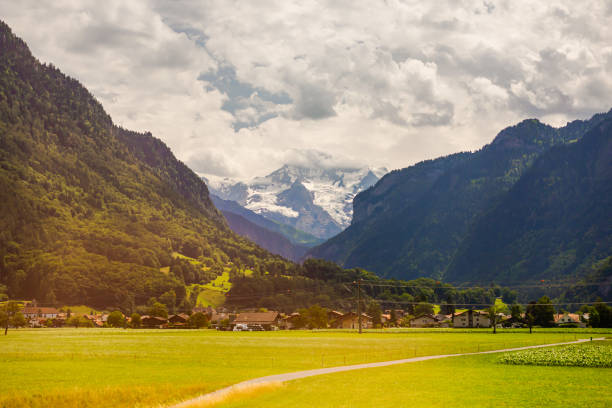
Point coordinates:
pixel 332 190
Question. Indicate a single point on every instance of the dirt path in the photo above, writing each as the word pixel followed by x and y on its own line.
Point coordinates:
pixel 280 378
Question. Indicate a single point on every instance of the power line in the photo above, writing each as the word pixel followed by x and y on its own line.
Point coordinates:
pixel 489 304
pixel 542 285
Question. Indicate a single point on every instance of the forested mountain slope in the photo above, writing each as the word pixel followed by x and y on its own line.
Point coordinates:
pixel 294 236
pixel 271 240
pixel 412 221
pixel 90 211
pixel 555 221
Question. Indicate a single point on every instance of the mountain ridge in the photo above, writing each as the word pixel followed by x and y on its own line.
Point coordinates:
pixel 93 213
pixel 411 222
pixel 315 200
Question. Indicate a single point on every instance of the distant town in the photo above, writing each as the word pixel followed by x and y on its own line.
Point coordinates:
pixel 315 317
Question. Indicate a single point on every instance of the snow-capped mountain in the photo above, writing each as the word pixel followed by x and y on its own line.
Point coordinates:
pixel 316 200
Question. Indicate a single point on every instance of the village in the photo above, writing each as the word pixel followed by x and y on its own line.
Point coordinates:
pixel 316 317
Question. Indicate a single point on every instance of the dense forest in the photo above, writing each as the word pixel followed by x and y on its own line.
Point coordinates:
pixel 554 223
pixel 534 204
pixel 326 284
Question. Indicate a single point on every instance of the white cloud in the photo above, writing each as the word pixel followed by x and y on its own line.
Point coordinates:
pixel 239 88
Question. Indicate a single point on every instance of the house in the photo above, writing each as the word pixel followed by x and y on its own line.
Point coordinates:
pixel 31 312
pixel 350 320
pixel 424 321
pixel 153 321
pixel 511 321
pixel 442 317
pixel 471 318
pixel 399 313
pixel 208 310
pixel 268 320
pixel 291 321
pixel 97 320
pixel 569 318
pixel 333 315
pixel 217 318
pixel 178 319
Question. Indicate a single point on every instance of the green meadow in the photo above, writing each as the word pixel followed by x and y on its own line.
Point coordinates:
pixel 146 368
pixel 459 382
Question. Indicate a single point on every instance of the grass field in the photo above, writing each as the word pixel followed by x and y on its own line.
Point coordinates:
pixel 115 367
pixel 212 293
pixel 460 382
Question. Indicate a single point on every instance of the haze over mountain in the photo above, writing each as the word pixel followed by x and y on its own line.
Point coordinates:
pixel 510 218
pixel 277 238
pixel 317 200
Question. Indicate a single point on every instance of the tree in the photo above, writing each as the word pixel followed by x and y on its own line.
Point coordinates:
pixel 135 320
pixel 115 319
pixel 515 312
pixel 493 311
pixel 3 318
pixel 600 314
pixel 447 308
pixel 530 315
pixel 393 318
pixel 605 314
pixel 544 312
pixel 423 308
pixel 301 320
pixel 375 313
pixel 11 308
pixel 159 310
pixel 317 317
pixel 74 321
pixel 18 320
pixel 198 320
pixel 169 299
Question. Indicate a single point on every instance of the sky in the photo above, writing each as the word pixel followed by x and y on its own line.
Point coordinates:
pixel 239 88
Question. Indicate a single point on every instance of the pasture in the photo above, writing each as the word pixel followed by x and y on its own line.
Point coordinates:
pixel 117 367
pixel 459 382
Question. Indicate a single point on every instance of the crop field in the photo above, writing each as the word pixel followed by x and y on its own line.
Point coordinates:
pixel 146 368
pixel 597 354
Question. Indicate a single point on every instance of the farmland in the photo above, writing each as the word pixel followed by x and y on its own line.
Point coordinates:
pixel 115 367
pixel 462 382
pixel 598 354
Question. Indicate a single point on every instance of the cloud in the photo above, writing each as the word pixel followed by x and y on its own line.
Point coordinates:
pixel 211 162
pixel 312 158
pixel 240 88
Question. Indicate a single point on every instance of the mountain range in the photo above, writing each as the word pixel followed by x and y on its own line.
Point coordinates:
pixel 96 214
pixel 533 204
pixel 316 200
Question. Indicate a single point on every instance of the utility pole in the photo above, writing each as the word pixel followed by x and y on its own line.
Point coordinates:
pixel 358 282
pixel 7 316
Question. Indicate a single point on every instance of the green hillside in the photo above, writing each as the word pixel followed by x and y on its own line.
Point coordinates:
pixel 91 211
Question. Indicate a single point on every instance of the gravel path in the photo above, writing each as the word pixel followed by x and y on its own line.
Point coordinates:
pixel 320 371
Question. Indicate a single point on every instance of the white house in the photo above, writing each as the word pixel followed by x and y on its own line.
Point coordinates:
pixel 471 318
pixel 31 312
pixel 423 321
